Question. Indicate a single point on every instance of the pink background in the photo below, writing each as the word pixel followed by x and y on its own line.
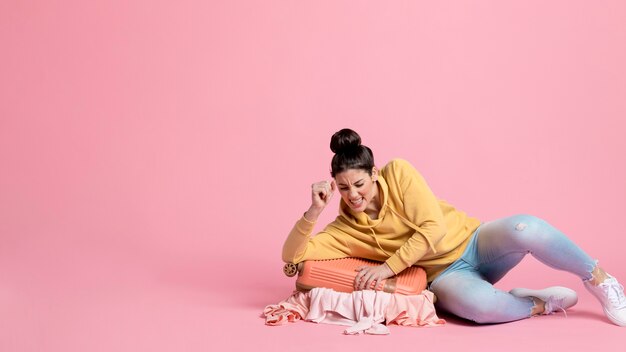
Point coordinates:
pixel 154 156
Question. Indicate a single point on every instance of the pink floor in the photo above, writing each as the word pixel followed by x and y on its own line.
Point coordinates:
pixel 90 299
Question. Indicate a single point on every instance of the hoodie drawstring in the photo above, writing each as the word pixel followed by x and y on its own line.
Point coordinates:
pixel 378 243
pixel 414 227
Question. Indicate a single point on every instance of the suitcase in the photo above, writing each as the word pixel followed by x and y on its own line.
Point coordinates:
pixel 339 274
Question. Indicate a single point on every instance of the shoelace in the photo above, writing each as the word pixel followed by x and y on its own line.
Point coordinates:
pixel 615 293
pixel 553 304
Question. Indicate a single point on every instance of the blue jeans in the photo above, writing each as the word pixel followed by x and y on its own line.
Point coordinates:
pixel 466 288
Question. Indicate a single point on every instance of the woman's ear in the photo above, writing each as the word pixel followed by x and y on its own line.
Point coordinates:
pixel 374 174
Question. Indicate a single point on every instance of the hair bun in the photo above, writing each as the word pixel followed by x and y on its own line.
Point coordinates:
pixel 344 140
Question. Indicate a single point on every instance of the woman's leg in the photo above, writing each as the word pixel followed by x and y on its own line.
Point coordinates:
pixel 517 235
pixel 501 244
pixel 467 291
pixel 466 294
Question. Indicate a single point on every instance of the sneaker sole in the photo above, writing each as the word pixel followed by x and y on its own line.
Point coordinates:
pixel 613 319
pixel 608 314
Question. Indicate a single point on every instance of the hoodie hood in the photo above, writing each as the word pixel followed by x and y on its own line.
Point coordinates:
pixel 361 220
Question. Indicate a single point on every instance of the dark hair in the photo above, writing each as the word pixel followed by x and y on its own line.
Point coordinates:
pixel 349 153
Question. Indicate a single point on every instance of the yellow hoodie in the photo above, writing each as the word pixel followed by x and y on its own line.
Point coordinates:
pixel 412 228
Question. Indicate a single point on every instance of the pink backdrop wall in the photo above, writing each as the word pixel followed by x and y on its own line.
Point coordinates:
pixel 150 150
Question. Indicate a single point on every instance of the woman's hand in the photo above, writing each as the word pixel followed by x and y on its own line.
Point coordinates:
pixel 371 274
pixel 321 194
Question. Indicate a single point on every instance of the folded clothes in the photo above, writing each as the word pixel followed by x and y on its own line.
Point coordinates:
pixel 367 311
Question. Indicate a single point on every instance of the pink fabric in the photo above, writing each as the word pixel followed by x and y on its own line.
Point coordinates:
pixel 362 311
pixel 413 310
pixel 290 310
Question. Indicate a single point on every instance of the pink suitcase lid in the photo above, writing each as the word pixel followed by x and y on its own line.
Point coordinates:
pixel 339 274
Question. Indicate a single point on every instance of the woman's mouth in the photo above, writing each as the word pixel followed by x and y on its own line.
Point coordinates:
pixel 357 202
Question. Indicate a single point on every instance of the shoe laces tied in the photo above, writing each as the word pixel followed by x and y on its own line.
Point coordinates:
pixel 553 304
pixel 615 293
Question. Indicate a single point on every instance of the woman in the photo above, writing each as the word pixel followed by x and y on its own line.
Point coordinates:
pixel 391 215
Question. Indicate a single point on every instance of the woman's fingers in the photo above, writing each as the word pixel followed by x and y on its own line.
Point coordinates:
pixel 372 278
pixel 371 275
pixel 370 282
pixel 357 281
pixel 329 190
pixel 364 278
pixel 323 190
pixel 359 276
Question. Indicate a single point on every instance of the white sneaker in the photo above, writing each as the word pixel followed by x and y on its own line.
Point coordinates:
pixel 611 295
pixel 556 297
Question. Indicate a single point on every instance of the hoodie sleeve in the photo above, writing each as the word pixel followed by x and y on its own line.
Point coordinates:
pixel 422 211
pixel 300 245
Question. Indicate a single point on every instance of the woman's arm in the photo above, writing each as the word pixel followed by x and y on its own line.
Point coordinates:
pixel 296 243
pixel 299 245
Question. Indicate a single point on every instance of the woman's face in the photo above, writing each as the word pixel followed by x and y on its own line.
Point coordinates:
pixel 358 188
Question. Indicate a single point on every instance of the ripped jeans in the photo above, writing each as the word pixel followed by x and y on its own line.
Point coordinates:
pixel 466 288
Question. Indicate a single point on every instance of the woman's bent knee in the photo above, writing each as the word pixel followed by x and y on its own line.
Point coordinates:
pixel 525 222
